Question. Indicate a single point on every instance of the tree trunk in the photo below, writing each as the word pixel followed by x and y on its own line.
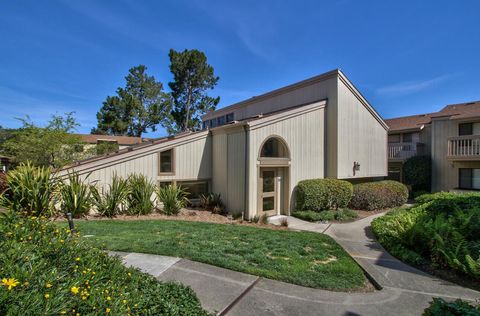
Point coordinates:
pixel 187 115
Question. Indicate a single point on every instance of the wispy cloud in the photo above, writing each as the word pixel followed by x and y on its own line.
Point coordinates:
pixel 410 87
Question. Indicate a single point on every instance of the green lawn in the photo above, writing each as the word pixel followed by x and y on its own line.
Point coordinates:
pixel 303 258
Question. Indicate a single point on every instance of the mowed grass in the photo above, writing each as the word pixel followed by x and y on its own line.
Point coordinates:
pixel 303 258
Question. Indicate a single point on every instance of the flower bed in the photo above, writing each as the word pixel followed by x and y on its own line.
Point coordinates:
pixel 43 270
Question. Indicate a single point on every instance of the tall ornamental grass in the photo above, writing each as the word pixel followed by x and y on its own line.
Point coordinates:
pixel 111 202
pixel 75 196
pixel 173 198
pixel 139 198
pixel 30 190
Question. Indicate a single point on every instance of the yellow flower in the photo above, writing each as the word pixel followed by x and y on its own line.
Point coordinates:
pixel 129 274
pixel 84 298
pixel 74 289
pixel 62 241
pixel 48 285
pixel 108 298
pixel 77 259
pixel 107 310
pixel 63 312
pixel 10 283
pixel 47 296
pixel 124 301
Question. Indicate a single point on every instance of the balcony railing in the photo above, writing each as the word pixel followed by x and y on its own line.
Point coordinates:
pixel 403 151
pixel 464 147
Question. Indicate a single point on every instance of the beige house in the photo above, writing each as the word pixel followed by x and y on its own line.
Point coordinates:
pixel 256 151
pixel 451 137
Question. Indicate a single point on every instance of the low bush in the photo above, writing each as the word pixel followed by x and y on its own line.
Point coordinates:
pixel 75 196
pixel 139 198
pixel 378 195
pixel 330 215
pixel 173 198
pixel 442 231
pixel 30 190
pixel 457 308
pixel 111 202
pixel 418 172
pixel 323 194
pixel 45 271
pixel 212 202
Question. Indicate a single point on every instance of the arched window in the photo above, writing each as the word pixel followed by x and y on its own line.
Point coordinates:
pixel 274 148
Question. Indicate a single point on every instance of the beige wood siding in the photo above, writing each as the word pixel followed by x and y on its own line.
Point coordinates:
pixel 361 138
pixel 304 136
pixel 219 163
pixel 228 176
pixel 192 161
pixel 236 172
pixel 444 173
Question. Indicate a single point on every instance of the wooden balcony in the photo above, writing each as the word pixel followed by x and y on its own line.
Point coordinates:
pixel 403 151
pixel 464 148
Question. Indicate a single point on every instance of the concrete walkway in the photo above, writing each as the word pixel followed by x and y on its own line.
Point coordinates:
pixel 405 290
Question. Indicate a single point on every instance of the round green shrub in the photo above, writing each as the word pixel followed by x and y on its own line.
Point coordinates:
pixel 378 195
pixel 323 194
pixel 418 172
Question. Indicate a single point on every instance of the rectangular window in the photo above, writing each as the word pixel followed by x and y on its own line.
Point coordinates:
pixel 407 138
pixel 469 178
pixel 194 188
pixel 394 173
pixel 394 138
pixel 229 117
pixel 465 129
pixel 163 184
pixel 166 161
pixel 213 122
pixel 221 120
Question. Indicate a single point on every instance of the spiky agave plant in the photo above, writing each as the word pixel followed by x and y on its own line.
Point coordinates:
pixel 110 202
pixel 31 190
pixel 75 195
pixel 139 199
pixel 173 198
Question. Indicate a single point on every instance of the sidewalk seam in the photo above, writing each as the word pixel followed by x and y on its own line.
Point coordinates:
pixel 227 308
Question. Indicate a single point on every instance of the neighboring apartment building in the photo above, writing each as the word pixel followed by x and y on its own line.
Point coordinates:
pixel 451 137
pixel 256 151
pixel 118 142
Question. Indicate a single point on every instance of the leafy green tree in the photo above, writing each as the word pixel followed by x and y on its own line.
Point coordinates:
pixel 192 78
pixel 52 145
pixel 139 106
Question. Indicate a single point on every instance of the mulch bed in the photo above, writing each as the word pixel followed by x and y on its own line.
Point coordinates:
pixel 191 215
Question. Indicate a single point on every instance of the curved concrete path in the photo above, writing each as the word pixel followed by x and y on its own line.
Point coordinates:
pixel 405 290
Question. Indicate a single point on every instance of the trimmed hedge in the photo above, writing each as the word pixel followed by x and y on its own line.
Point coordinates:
pixel 418 172
pixel 323 194
pixel 330 215
pixel 378 195
pixel 46 271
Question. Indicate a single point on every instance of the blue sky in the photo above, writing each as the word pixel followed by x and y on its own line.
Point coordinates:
pixel 406 57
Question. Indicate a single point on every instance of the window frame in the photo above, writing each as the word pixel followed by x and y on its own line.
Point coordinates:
pixel 232 117
pixel 181 183
pixel 470 179
pixel 172 163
